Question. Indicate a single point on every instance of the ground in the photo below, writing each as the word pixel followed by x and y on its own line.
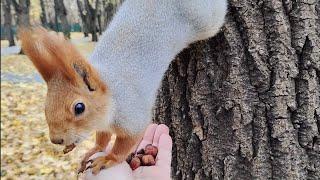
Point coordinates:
pixel 26 151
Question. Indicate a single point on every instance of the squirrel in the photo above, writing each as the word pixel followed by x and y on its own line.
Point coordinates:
pixel 114 91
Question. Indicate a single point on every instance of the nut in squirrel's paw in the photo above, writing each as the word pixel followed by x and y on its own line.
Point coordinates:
pixel 144 157
pixel 69 148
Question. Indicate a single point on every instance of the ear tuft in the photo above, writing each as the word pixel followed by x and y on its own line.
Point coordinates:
pixel 32 46
pixel 84 74
pixel 71 63
pixel 51 53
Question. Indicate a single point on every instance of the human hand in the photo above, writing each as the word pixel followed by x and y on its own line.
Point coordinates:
pixel 157 135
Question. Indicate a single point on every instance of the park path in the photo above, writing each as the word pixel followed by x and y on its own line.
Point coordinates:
pixel 23 78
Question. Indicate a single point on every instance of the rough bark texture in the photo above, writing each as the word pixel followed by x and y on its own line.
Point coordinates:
pixel 6 6
pixel 246 103
pixel 61 16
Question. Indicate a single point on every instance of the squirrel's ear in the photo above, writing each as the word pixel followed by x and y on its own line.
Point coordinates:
pixel 51 53
pixel 88 75
pixel 33 46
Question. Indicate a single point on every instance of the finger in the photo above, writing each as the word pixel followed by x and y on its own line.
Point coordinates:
pixel 119 172
pixel 147 172
pixel 164 151
pixel 161 129
pixel 148 136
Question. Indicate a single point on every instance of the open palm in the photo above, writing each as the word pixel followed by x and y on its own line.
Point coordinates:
pixel 157 135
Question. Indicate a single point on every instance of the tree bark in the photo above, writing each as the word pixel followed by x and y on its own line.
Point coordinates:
pixel 246 103
pixel 61 16
pixel 6 5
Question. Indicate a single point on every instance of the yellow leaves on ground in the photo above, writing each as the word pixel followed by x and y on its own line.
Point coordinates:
pixel 4 43
pixel 22 66
pixel 26 152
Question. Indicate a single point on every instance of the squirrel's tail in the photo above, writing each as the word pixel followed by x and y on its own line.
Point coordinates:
pixel 206 16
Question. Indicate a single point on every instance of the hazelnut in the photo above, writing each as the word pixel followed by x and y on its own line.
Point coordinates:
pixel 69 148
pixel 141 151
pixel 135 163
pixel 129 158
pixel 139 156
pixel 151 150
pixel 148 160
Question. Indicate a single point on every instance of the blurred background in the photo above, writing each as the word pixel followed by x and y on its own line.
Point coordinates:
pixel 26 151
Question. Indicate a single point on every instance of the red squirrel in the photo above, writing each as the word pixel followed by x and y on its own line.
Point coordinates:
pixel 114 91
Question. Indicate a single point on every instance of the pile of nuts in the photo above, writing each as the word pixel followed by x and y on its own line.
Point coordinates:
pixel 144 157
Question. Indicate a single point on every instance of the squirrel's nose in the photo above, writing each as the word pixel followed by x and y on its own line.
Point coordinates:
pixel 57 141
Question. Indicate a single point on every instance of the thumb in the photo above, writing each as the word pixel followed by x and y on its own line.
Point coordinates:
pixel 164 151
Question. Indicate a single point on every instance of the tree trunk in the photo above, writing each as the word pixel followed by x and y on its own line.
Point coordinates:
pixel 22 10
pixel 6 5
pixel 61 16
pixel 108 14
pixel 98 16
pixel 43 15
pixel 88 16
pixel 246 103
pixel 83 17
pixel 93 18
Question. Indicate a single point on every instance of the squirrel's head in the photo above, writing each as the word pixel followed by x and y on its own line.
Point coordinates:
pixel 77 99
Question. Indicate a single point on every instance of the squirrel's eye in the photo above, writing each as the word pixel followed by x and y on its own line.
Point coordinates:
pixel 79 108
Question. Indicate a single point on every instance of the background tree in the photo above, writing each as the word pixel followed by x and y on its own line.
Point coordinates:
pixel 108 12
pixel 22 8
pixel 88 14
pixel 6 6
pixel 43 15
pixel 47 17
pixel 245 104
pixel 96 15
pixel 61 16
pixel 84 18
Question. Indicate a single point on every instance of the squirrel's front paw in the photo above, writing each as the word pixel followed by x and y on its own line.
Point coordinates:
pixel 86 158
pixel 102 162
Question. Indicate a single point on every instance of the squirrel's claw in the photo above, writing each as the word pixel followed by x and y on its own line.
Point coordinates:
pixel 86 160
pixel 90 161
pixel 102 162
pixel 82 168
